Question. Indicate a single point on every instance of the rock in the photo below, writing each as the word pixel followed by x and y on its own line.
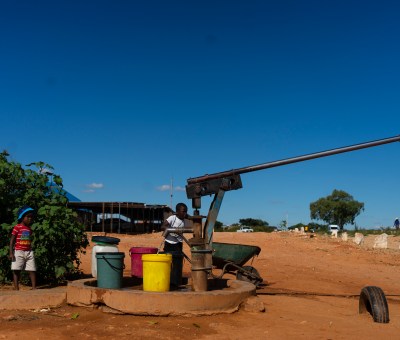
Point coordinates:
pixel 358 238
pixel 381 241
pixel 344 237
pixel 10 318
pixel 334 233
pixel 253 304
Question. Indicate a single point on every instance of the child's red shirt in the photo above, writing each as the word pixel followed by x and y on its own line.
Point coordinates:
pixel 23 235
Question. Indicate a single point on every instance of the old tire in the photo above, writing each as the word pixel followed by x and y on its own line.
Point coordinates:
pixel 243 275
pixel 373 301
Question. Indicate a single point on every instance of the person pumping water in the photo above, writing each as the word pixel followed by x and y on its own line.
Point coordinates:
pixel 173 241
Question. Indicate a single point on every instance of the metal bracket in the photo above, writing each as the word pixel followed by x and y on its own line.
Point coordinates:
pixel 212 186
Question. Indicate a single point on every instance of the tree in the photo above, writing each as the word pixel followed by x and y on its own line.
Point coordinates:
pixel 298 226
pixel 218 226
pixel 338 208
pixel 58 237
pixel 251 222
pixel 283 225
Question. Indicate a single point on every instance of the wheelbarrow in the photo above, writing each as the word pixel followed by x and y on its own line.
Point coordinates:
pixel 230 258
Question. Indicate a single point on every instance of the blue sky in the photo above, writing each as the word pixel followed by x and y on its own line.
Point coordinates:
pixel 120 97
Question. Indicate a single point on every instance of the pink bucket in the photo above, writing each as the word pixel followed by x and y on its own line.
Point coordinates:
pixel 136 259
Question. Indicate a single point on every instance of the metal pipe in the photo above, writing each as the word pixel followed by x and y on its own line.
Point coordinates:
pixel 176 231
pixel 292 160
pixel 199 271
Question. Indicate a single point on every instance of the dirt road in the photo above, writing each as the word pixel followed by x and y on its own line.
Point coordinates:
pixel 311 292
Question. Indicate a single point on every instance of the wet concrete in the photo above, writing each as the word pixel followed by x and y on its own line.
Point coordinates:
pixel 223 296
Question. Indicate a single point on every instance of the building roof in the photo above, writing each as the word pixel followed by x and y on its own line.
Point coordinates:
pixel 133 210
pixel 54 187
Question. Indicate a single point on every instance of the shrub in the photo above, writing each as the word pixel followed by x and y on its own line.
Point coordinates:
pixel 58 237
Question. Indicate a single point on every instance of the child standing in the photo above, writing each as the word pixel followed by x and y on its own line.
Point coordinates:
pixel 21 253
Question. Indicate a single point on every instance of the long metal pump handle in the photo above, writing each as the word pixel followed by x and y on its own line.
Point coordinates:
pixel 262 166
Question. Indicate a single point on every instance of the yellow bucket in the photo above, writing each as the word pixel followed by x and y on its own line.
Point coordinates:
pixel 156 272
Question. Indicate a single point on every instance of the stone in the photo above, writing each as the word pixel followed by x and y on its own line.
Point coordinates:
pixel 358 238
pixel 381 241
pixel 10 318
pixel 253 304
pixel 344 237
pixel 334 233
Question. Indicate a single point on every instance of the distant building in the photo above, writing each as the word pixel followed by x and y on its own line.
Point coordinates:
pixel 121 217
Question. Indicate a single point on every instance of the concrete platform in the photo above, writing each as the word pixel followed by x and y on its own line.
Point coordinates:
pixel 33 299
pixel 225 297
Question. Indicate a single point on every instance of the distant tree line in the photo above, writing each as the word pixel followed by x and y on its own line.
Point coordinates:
pixel 338 208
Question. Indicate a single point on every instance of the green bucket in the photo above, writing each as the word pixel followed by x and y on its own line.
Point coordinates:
pixel 110 268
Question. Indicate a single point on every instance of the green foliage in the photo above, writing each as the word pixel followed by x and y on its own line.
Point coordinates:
pixel 311 227
pixel 264 229
pixel 320 228
pixel 338 208
pixel 233 227
pixel 218 226
pixel 251 222
pixel 283 225
pixel 298 226
pixel 58 238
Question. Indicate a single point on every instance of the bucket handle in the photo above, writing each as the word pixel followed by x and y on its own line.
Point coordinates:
pixel 115 268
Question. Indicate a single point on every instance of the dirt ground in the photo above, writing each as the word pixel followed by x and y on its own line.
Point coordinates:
pixel 311 291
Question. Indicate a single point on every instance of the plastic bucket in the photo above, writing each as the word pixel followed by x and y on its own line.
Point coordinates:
pixel 106 248
pixel 104 244
pixel 177 267
pixel 105 240
pixel 110 268
pixel 136 259
pixel 156 272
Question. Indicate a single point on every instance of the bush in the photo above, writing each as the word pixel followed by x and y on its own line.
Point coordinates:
pixel 236 227
pixel 58 238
